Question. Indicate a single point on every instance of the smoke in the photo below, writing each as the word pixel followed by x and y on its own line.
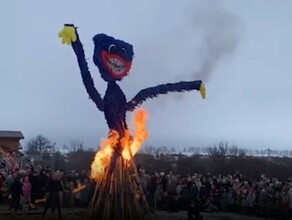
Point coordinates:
pixel 185 41
pixel 219 36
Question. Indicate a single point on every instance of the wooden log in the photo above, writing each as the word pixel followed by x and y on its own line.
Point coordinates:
pixel 116 194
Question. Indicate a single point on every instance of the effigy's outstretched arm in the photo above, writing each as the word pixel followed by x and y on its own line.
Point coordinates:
pixel 69 36
pixel 152 92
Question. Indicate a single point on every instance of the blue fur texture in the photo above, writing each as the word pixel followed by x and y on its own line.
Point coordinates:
pixel 114 104
pixel 153 92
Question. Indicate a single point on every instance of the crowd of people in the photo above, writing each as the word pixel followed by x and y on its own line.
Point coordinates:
pixel 30 190
pixel 267 197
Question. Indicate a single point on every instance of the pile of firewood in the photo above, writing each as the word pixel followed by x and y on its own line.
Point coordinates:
pixel 118 194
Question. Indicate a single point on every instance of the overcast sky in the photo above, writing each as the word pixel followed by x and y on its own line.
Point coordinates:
pixel 241 49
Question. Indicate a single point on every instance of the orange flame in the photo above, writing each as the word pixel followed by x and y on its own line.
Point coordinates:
pixel 130 146
pixel 103 156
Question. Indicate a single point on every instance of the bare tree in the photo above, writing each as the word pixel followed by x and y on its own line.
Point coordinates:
pixel 241 152
pixel 76 145
pixel 233 150
pixel 39 145
pixel 218 152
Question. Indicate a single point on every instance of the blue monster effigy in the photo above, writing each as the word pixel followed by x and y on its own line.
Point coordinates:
pixel 114 58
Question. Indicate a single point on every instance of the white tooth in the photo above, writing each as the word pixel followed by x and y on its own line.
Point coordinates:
pixel 116 65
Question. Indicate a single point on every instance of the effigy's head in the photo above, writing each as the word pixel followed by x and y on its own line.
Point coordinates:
pixel 112 57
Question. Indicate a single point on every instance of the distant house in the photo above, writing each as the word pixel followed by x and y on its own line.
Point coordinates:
pixel 10 140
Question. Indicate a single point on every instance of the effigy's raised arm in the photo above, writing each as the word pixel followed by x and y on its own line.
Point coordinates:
pixel 69 36
pixel 152 92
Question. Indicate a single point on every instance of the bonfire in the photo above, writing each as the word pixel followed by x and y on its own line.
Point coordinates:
pixel 118 192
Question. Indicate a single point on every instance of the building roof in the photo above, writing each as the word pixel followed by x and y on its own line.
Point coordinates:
pixel 11 134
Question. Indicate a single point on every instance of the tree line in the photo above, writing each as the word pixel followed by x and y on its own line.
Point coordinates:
pixel 220 159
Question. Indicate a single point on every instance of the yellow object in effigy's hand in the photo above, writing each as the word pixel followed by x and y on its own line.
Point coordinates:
pixel 68 35
pixel 203 91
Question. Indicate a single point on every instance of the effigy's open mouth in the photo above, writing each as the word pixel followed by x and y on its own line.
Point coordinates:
pixel 115 65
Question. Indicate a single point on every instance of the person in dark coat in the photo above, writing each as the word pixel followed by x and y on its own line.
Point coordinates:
pixel 54 194
pixel 42 182
pixel 16 192
pixel 151 188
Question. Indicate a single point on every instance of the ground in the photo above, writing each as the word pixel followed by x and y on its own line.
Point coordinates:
pixel 75 214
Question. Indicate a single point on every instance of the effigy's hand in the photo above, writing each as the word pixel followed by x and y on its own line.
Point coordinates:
pixel 68 34
pixel 203 90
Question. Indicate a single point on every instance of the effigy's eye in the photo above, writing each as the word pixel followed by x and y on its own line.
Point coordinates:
pixel 112 48
pixel 124 52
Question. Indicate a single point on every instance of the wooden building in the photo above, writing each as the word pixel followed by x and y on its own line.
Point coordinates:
pixel 10 140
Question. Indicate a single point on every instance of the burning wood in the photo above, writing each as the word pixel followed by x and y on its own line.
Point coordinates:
pixel 120 142
pixel 38 201
pixel 79 188
pixel 118 193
